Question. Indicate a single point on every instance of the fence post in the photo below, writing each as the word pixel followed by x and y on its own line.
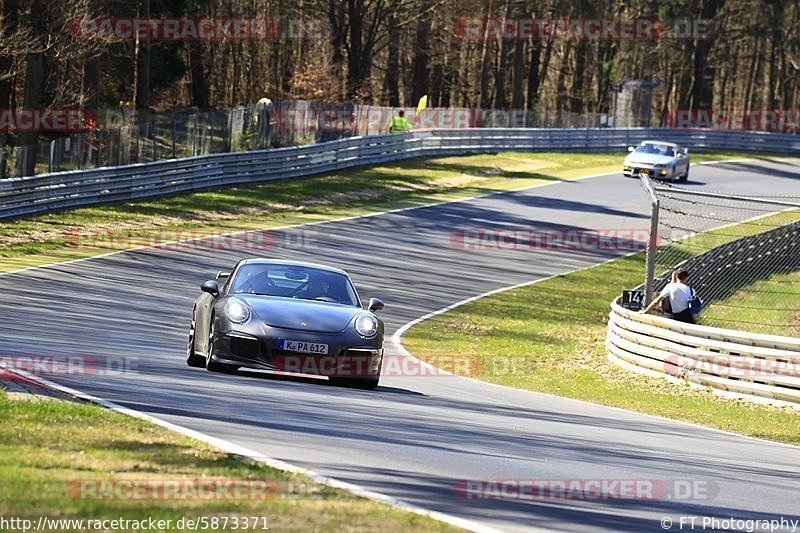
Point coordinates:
pixel 652 244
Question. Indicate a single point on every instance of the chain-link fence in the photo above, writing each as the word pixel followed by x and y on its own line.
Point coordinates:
pixel 128 136
pixel 742 254
pixel 372 120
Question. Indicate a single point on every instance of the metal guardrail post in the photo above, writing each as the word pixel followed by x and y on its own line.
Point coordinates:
pixel 652 244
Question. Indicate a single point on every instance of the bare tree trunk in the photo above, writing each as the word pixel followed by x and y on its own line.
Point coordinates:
pixel 421 76
pixel 533 76
pixel 500 100
pixel 605 55
pixel 90 89
pixel 577 100
pixel 453 69
pixel 561 80
pixel 775 58
pixel 518 76
pixel 198 82
pixel 355 76
pixel 392 79
pixel 486 62
pixel 10 21
pixel 703 74
pixel 34 90
pixel 142 52
pixel 752 75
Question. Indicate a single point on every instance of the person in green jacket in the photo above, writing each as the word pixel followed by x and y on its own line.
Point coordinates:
pixel 399 124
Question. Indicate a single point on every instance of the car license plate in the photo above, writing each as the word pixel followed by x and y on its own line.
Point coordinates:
pixel 302 347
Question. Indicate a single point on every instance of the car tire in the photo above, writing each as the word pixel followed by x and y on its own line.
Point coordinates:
pixel 210 364
pixel 685 176
pixel 365 383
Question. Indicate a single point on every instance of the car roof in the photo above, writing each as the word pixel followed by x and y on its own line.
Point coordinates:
pixel 303 264
pixel 658 142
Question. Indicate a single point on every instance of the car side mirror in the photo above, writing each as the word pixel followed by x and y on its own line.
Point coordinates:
pixel 375 305
pixel 631 148
pixel 211 287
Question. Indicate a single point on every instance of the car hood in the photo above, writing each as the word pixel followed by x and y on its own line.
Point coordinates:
pixel 305 315
pixel 649 159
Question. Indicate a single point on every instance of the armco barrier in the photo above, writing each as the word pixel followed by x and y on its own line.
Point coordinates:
pixel 757 366
pixel 49 192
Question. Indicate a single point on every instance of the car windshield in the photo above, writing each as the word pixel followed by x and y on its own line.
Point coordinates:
pixel 292 281
pixel 658 149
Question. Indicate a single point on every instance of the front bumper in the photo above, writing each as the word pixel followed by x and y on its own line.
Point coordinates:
pixel 634 171
pixel 257 346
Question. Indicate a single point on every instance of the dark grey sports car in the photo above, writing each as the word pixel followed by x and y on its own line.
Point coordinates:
pixel 287 316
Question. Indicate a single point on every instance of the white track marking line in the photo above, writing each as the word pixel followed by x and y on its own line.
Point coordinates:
pixel 396 340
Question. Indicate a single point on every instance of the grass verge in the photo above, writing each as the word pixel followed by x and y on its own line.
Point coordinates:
pixel 769 306
pixel 550 337
pixel 89 231
pixel 77 461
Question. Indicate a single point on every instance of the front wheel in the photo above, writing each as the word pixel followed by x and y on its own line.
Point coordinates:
pixel 210 364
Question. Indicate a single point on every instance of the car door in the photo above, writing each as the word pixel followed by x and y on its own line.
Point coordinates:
pixel 202 313
pixel 204 306
pixel 680 160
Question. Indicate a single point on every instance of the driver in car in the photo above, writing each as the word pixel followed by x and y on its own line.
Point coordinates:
pixel 257 283
pixel 317 288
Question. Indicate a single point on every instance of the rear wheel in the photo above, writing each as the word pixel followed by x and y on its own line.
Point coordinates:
pixel 685 176
pixel 210 364
pixel 192 359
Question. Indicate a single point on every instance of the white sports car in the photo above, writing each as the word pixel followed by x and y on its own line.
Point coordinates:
pixel 658 159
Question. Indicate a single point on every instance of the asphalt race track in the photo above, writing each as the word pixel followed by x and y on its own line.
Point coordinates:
pixel 415 437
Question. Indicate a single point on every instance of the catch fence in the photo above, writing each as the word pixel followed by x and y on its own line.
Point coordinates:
pixel 742 255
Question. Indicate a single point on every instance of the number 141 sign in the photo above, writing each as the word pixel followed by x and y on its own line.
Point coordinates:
pixel 633 300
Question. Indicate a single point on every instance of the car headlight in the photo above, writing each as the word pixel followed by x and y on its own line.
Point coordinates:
pixel 366 325
pixel 237 311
